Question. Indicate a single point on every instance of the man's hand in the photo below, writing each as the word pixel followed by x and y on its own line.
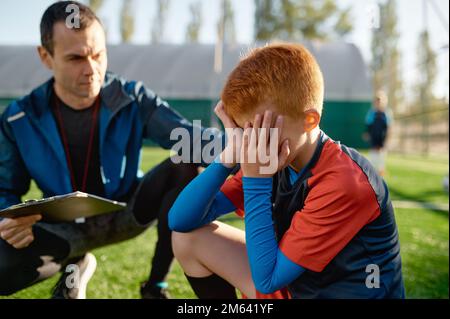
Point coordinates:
pixel 231 153
pixel 263 153
pixel 18 231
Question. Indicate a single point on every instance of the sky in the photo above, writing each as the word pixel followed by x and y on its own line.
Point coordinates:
pixel 19 24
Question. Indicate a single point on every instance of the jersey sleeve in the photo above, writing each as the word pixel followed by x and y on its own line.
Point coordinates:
pixel 232 189
pixel 332 215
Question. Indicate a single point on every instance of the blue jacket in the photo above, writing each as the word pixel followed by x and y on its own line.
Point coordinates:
pixel 31 148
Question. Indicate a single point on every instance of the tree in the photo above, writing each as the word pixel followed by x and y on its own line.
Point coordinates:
pixel 229 31
pixel 426 98
pixel 296 20
pixel 226 33
pixel 127 21
pixel 427 69
pixel 159 22
pixel 343 25
pixel 386 57
pixel 193 28
pixel 265 20
pixel 95 5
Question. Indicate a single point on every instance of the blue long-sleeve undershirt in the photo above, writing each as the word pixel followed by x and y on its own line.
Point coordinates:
pixel 201 202
pixel 271 269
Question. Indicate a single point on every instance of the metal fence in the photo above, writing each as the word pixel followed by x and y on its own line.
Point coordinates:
pixel 423 133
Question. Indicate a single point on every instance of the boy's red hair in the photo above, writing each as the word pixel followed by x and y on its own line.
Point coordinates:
pixel 286 75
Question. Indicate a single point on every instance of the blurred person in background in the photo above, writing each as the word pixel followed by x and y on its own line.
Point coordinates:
pixel 378 120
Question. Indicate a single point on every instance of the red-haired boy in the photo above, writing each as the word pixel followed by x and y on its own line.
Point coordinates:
pixel 319 225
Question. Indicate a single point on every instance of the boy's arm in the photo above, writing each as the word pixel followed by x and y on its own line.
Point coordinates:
pixel 201 201
pixel 271 269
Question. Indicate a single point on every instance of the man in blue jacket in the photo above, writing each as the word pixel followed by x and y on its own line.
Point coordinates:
pixel 83 131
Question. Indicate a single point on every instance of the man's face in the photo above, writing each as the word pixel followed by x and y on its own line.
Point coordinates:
pixel 79 59
pixel 293 128
pixel 380 102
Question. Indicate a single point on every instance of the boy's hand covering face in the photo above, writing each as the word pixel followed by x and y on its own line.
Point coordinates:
pixel 230 156
pixel 262 152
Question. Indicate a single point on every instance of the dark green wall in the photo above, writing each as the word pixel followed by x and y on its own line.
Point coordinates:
pixel 4 103
pixel 194 109
pixel 342 121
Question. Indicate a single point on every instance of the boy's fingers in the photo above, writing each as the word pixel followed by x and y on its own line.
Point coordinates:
pixel 284 154
pixel 218 108
pixel 256 128
pixel 257 121
pixel 253 138
pixel 265 127
pixel 247 127
pixel 279 126
pixel 223 116
pixel 267 121
pixel 246 142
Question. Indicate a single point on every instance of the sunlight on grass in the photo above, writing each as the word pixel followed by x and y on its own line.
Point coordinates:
pixel 424 237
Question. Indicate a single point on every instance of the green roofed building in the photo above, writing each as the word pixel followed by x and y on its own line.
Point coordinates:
pixel 184 75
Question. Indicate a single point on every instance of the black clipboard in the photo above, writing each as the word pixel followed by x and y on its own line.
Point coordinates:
pixel 64 208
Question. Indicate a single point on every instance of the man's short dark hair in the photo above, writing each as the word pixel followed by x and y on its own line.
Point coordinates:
pixel 57 13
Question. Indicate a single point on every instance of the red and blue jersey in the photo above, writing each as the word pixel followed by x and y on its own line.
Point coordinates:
pixel 336 220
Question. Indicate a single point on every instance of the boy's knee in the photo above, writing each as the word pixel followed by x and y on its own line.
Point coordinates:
pixel 182 244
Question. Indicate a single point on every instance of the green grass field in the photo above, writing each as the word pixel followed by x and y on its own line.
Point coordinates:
pixel 424 237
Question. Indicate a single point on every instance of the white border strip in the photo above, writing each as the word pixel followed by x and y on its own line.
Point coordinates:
pixel 15 117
